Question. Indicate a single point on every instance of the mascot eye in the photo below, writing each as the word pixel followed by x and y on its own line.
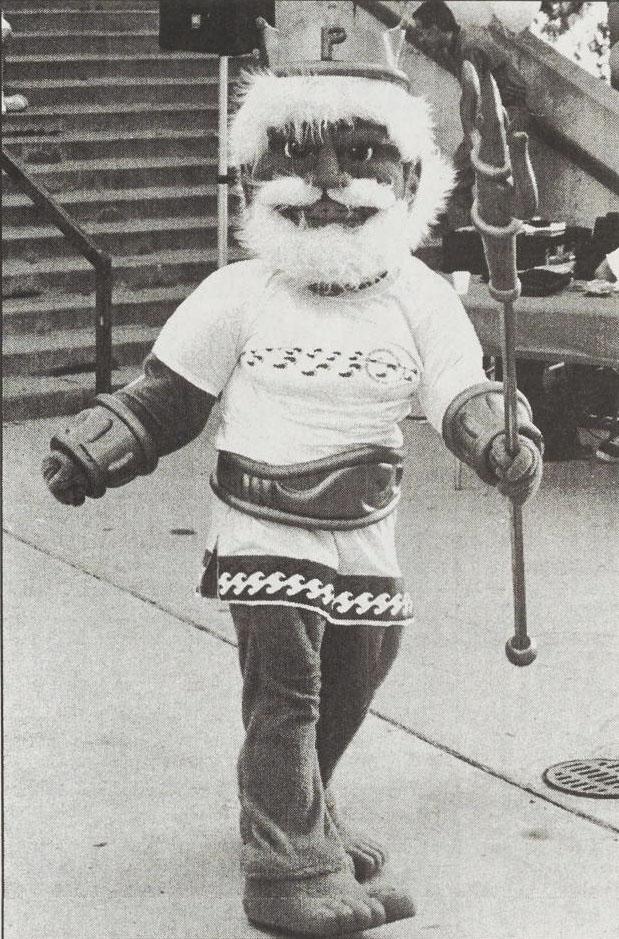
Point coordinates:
pixel 295 151
pixel 361 153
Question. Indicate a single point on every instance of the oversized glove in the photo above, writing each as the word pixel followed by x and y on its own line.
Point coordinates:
pixel 106 445
pixel 474 430
pixel 65 480
pixel 519 476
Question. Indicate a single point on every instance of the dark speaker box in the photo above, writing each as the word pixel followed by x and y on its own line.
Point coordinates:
pixel 218 27
pixel 463 250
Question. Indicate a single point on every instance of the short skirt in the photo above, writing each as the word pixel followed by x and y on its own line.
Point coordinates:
pixel 348 577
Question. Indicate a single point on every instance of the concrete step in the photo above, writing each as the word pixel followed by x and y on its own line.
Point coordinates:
pixel 75 275
pixel 58 93
pixel 133 236
pixel 24 68
pixel 108 62
pixel 109 117
pixel 65 42
pixel 97 145
pixel 61 42
pixel 16 5
pixel 122 174
pixel 28 397
pixel 39 316
pixel 116 204
pixel 55 19
pixel 73 350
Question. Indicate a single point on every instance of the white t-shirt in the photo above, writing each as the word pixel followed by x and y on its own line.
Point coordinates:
pixel 304 376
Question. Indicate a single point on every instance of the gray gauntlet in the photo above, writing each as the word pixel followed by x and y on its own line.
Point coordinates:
pixel 475 418
pixel 105 446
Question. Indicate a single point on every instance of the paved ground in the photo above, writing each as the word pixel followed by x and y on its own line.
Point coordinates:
pixel 122 711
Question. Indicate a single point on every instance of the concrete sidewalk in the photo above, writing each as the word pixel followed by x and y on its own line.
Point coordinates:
pixel 122 719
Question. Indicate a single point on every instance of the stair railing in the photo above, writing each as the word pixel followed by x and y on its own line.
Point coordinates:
pixel 100 260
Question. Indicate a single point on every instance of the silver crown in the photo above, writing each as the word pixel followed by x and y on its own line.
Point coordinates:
pixel 332 49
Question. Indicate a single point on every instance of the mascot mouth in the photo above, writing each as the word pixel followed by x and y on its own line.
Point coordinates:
pixel 326 211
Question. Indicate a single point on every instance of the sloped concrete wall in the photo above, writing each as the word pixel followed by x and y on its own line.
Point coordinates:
pixel 566 191
pixel 585 111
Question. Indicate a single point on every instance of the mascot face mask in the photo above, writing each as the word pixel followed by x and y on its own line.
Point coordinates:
pixel 329 207
pixel 341 176
pixel 350 172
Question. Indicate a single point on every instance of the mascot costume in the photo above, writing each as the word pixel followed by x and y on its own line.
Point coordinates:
pixel 314 348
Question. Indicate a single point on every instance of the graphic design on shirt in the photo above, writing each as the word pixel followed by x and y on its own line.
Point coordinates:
pixel 388 365
pixel 385 366
pixel 340 598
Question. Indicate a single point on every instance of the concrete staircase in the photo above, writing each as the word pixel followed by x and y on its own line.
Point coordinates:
pixel 125 137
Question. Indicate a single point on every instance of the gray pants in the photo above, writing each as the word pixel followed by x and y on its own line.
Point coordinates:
pixel 307 686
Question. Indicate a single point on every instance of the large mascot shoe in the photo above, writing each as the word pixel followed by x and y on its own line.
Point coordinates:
pixel 396 901
pixel 326 905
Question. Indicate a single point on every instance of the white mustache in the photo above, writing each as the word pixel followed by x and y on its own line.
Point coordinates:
pixel 293 191
pixel 364 193
pixel 287 190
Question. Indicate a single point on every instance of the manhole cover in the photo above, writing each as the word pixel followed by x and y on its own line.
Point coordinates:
pixel 597 778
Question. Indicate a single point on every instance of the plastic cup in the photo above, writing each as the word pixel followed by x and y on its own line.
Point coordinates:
pixel 461 281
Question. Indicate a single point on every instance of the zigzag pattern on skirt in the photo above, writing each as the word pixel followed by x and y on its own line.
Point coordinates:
pixel 340 598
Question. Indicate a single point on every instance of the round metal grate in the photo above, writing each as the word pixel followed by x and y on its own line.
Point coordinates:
pixel 597 778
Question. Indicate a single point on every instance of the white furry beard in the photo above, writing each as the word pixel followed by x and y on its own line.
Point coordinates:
pixel 330 254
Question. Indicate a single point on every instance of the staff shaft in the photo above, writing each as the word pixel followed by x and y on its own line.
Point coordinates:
pixel 521 639
pixel 222 166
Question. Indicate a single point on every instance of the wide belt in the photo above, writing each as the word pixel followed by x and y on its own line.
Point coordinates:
pixel 345 491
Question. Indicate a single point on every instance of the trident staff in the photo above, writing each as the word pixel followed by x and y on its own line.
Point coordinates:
pixel 506 193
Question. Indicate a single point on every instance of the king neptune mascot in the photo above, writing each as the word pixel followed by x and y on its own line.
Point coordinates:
pixel 314 349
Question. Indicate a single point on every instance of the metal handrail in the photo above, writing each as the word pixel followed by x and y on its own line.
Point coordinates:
pixel 100 260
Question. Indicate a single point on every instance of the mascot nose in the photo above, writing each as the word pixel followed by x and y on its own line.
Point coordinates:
pixel 326 172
